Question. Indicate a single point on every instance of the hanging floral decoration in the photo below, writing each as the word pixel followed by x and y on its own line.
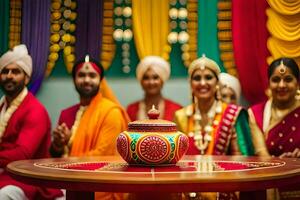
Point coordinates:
pixel 15 23
pixel 62 33
pixel 123 32
pixel 108 44
pixel 225 36
pixel 191 47
pixel 178 15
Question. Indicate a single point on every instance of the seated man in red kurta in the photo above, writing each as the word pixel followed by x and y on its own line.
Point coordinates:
pixel 91 127
pixel 24 125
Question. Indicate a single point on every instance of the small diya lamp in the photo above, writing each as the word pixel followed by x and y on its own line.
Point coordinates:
pixel 152 142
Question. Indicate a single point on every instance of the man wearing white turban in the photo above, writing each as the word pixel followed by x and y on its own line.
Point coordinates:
pixel 152 72
pixel 230 88
pixel 24 125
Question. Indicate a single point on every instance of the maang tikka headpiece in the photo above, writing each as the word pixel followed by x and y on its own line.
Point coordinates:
pixel 202 67
pixel 203 63
pixel 282 68
pixel 86 61
pixel 87 58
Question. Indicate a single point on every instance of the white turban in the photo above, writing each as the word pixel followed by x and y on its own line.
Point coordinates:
pixel 158 64
pixel 18 55
pixel 231 82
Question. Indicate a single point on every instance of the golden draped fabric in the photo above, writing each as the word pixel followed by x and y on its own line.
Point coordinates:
pixel 285 7
pixel 151 27
pixel 286 48
pixel 284 27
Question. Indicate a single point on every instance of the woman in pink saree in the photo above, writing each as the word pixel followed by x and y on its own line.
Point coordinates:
pixel 275 123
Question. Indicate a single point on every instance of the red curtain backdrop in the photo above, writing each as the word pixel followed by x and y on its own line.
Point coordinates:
pixel 250 36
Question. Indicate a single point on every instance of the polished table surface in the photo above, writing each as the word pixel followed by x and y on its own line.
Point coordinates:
pixel 191 174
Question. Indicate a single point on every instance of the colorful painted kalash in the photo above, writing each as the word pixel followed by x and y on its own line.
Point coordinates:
pixel 152 142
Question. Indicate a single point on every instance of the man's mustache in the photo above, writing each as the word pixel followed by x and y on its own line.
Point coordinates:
pixel 8 81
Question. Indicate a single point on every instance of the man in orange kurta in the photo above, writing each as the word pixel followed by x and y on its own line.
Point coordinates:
pixel 91 127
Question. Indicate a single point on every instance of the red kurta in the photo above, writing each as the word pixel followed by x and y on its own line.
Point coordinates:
pixel 27 136
pixel 170 109
pixel 68 115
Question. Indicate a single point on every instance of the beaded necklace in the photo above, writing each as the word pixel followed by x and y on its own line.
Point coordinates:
pixel 203 135
pixel 5 115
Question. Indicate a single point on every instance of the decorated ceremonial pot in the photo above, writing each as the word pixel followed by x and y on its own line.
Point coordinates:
pixel 152 142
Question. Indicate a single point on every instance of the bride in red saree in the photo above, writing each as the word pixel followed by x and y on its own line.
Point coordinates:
pixel 275 123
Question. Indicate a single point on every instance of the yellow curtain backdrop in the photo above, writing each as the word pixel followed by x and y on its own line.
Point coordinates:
pixel 285 7
pixel 151 27
pixel 284 27
pixel 283 48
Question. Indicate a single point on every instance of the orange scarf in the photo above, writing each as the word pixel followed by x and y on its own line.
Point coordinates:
pixel 93 137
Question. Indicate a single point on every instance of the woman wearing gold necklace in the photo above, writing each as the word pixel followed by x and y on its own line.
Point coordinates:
pixel 213 127
pixel 275 123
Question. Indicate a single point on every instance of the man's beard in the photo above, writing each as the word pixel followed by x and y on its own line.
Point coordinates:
pixel 87 94
pixel 15 89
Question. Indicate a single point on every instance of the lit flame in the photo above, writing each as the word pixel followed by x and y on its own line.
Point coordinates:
pixel 87 58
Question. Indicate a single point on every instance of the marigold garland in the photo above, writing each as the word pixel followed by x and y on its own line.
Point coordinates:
pixel 62 29
pixel 5 117
pixel 108 45
pixel 190 48
pixel 225 36
pixel 178 15
pixel 15 23
pixel 122 30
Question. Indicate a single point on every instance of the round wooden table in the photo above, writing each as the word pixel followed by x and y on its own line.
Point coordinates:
pixel 83 176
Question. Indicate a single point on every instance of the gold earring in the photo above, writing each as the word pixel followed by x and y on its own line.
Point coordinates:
pixel 268 93
pixel 218 93
pixel 195 100
pixel 297 96
pixel 191 96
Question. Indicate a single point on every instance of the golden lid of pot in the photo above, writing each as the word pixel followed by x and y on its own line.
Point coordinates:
pixel 153 124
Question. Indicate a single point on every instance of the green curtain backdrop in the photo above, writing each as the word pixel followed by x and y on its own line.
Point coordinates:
pixel 60 69
pixel 208 42
pixel 115 70
pixel 4 25
pixel 177 67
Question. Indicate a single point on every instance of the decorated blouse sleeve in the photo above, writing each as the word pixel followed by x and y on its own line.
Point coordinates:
pixel 257 136
pixel 243 134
